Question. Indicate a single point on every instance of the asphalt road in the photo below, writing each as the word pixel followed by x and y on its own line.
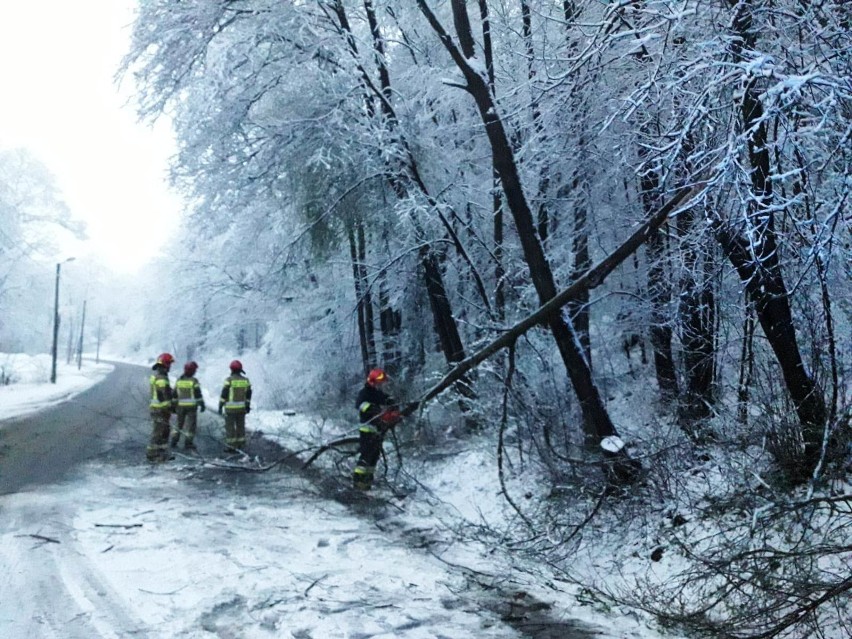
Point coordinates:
pixel 49 589
pixel 108 421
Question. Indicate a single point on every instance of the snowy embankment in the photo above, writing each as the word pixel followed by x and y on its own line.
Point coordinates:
pixel 26 386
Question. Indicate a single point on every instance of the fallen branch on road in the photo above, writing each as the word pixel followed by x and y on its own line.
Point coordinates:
pixel 333 444
pixel 41 538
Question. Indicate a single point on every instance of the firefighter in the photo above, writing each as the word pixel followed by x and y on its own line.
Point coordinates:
pixel 189 402
pixel 161 407
pixel 235 402
pixel 377 413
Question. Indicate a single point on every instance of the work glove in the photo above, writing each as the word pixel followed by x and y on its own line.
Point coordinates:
pixel 248 409
pixel 203 408
pixel 391 416
pixel 219 410
pixel 388 419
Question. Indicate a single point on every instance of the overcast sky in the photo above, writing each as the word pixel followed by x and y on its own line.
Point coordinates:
pixel 57 64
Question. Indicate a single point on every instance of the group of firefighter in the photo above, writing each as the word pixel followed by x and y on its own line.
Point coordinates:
pixel 185 400
pixel 377 414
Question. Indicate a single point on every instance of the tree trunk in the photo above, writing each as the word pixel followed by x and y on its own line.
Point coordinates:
pixel 697 313
pixel 578 308
pixel 756 259
pixel 698 322
pixel 659 290
pixel 448 334
pixel 390 322
pixel 765 286
pixel 543 214
pixel 366 357
pixel 698 325
pixel 496 202
pixel 589 280
pixel 746 365
pixel 442 314
pixel 597 422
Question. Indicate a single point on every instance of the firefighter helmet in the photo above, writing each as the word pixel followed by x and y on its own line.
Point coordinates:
pixel 165 359
pixel 236 366
pixel 190 367
pixel 376 376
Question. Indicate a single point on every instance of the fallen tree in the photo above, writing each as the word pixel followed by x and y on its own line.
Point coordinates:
pixel 619 466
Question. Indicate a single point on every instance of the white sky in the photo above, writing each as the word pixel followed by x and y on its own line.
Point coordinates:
pixel 57 63
pixel 163 551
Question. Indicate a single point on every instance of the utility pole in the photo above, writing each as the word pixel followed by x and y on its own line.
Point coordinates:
pixel 98 347
pixel 69 348
pixel 80 341
pixel 56 322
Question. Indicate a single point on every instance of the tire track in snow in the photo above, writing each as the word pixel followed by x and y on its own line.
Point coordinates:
pixel 49 589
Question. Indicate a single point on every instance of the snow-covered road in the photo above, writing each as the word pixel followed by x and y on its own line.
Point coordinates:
pixel 120 548
pixel 178 551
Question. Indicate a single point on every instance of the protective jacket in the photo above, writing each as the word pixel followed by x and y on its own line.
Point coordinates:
pixel 371 403
pixel 188 391
pixel 162 397
pixel 161 404
pixel 236 394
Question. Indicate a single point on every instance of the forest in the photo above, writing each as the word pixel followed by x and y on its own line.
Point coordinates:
pixel 614 236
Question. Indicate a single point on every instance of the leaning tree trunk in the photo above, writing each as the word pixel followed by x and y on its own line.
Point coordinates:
pixel 754 254
pixel 598 424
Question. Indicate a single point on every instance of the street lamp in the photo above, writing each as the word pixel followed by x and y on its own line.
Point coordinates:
pixel 56 320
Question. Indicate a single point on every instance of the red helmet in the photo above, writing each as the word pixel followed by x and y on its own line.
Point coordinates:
pixel 236 366
pixel 376 376
pixel 165 359
pixel 189 368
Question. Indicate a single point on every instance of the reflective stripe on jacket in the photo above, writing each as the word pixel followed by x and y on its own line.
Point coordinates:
pixel 188 392
pixel 364 409
pixel 371 402
pixel 236 394
pixel 161 392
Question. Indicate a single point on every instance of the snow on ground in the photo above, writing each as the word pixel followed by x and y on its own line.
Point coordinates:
pixel 27 386
pixel 189 550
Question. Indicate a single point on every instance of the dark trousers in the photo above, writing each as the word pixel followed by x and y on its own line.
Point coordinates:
pixel 370 449
pixel 187 424
pixel 158 446
pixel 235 430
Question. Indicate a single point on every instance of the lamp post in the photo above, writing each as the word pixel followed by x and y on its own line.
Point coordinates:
pixel 56 320
pixel 80 343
